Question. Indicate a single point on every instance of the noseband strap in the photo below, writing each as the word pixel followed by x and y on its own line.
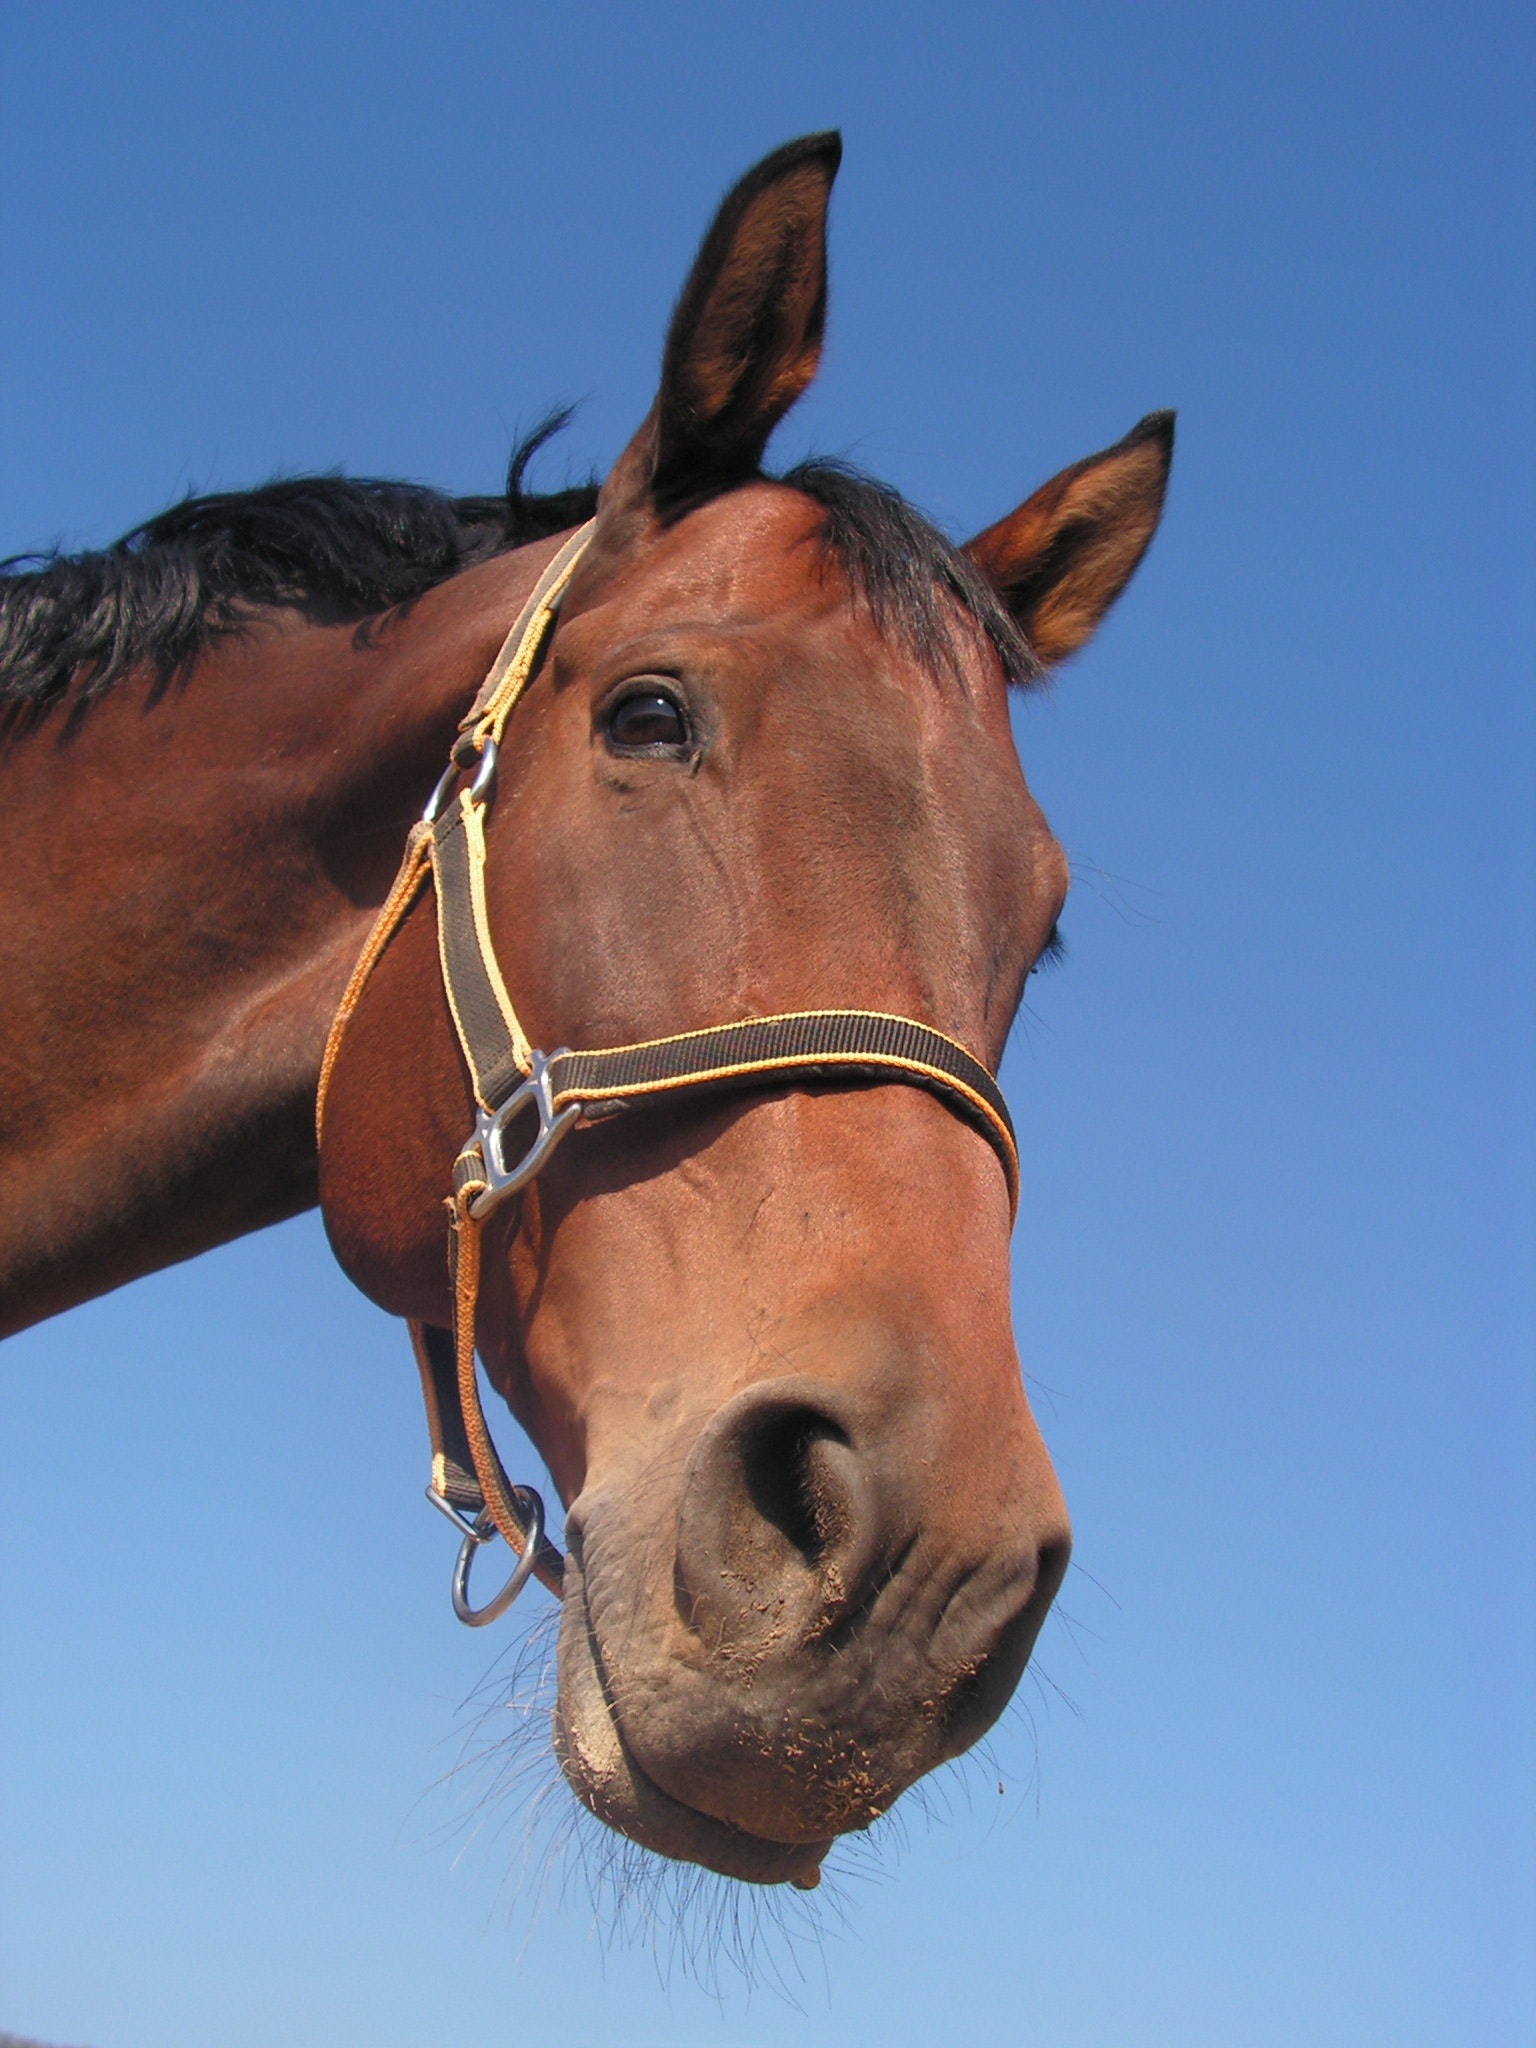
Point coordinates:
pixel 526 1101
pixel 841 1047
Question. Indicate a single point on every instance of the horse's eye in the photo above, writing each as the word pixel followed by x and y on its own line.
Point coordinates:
pixel 647 719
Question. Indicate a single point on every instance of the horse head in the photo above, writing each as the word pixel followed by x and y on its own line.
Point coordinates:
pixel 762 1339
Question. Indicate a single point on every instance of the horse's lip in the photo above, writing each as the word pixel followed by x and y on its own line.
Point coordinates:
pixel 655 1819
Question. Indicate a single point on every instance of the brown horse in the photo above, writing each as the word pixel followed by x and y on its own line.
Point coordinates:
pixel 761 1338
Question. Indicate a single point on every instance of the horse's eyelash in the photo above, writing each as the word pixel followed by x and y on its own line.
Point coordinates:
pixel 1053 952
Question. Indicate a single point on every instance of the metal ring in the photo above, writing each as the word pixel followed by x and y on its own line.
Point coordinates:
pixel 485 774
pixel 479 789
pixel 439 796
pixel 482 1532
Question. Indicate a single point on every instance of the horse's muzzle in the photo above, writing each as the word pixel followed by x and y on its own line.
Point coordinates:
pixel 823 1620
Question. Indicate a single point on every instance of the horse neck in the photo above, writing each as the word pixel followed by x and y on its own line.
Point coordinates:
pixel 190 873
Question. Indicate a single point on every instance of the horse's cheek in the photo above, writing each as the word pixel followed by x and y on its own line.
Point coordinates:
pixel 396 1112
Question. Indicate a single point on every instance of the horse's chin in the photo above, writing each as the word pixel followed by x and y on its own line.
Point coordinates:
pixel 605 1777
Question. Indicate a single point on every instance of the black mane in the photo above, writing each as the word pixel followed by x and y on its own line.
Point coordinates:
pixel 335 548
pixel 340 549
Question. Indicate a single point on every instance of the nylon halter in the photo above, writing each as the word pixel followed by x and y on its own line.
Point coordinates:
pixel 548 1094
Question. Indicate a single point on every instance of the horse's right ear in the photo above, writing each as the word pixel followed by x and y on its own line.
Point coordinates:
pixel 745 339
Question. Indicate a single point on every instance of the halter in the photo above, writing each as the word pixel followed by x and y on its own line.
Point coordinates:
pixel 543 1096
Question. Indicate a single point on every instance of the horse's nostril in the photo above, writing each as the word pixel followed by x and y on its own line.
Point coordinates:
pixel 777 1522
pixel 790 1463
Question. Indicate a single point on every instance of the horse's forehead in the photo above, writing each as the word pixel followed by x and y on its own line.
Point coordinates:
pixel 752 553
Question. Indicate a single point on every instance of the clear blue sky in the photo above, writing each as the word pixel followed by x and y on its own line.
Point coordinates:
pixel 1273 1278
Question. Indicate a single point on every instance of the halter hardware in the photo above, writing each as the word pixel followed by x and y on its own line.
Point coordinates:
pixel 479 790
pixel 483 1530
pixel 488 1142
pixel 562 1089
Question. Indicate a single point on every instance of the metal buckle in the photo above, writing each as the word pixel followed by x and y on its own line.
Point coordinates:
pixel 481 1531
pixel 490 1133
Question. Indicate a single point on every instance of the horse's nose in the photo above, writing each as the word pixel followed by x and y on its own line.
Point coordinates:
pixel 783 1518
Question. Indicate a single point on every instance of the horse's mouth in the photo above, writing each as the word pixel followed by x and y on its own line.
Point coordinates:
pixel 604 1775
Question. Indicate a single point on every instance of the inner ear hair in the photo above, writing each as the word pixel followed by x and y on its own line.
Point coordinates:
pixel 745 340
pixel 1062 558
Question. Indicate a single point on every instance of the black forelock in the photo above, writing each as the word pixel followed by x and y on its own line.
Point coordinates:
pixel 340 549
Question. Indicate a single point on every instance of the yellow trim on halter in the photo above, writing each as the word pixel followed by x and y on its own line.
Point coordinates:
pixel 520 651
pixel 474 836
pixel 736 1069
pixel 403 892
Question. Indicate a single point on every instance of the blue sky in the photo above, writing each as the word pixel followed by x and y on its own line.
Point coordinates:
pixel 1273 1281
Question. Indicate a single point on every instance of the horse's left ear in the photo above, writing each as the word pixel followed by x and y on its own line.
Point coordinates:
pixel 1060 561
pixel 745 339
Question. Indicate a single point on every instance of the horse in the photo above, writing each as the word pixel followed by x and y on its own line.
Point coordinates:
pixel 756 804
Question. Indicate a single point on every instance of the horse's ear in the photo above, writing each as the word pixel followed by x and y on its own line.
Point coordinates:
pixel 1060 561
pixel 746 337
